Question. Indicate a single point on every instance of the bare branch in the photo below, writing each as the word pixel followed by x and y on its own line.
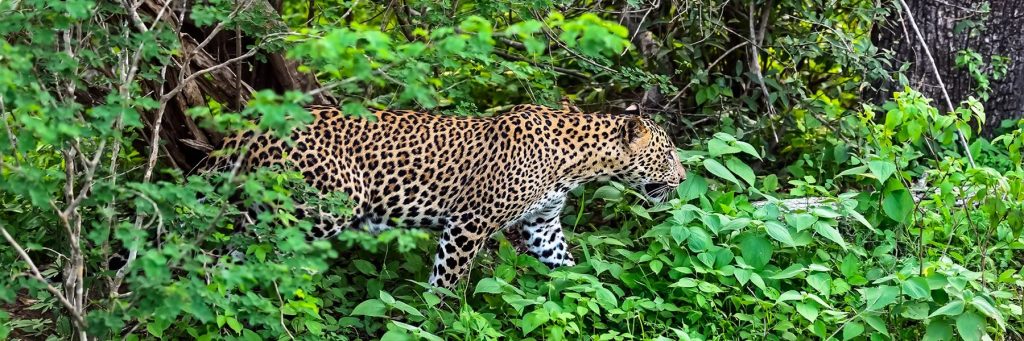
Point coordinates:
pixel 755 62
pixel 938 78
pixel 76 317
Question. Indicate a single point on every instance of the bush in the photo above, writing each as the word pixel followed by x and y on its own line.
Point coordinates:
pixel 836 215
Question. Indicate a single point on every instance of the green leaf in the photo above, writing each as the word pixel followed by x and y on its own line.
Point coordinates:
pixel 533 320
pixel 487 285
pixel 741 169
pixel 747 148
pixel 938 330
pixel 898 204
pixel 821 282
pixel 656 266
pixel 789 272
pixel 985 307
pixel 756 250
pixel 237 326
pixel 859 170
pixel 825 212
pixel 720 171
pixel 779 232
pixel 876 323
pixel 408 309
pixel 718 147
pixel 694 187
pixel 852 330
pixel 881 296
pixel 917 288
pixel 952 309
pixel 882 169
pixel 314 326
pixel 608 192
pixel 640 211
pixel 800 221
pixel 808 311
pixel 370 307
pixel 916 311
pixel 826 230
pixel 860 218
pixel 606 297
pixel 365 267
pixel 970 326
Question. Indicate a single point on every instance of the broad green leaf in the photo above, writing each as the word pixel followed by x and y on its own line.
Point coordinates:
pixel 779 232
pixel 859 170
pixel 916 311
pixel 314 327
pixel 825 212
pixel 881 296
pixel 917 288
pixel 684 283
pixel 852 330
pixel 952 309
pixel 826 230
pixel 487 285
pixel 656 266
pixel 640 211
pixel 608 192
pixel 534 319
pixel 985 307
pixel 718 147
pixel 370 307
pixel 938 330
pixel 875 322
pixel 756 250
pixel 898 204
pixel 808 311
pixel 606 297
pixel 860 218
pixel 720 171
pixel 694 187
pixel 789 272
pixel 882 169
pixel 970 326
pixel 800 221
pixel 741 169
pixel 408 309
pixel 747 148
pixel 821 282
pixel 791 295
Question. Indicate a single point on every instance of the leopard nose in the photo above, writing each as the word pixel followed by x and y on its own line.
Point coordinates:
pixel 681 172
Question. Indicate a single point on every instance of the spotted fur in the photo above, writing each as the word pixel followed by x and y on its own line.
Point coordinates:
pixel 469 177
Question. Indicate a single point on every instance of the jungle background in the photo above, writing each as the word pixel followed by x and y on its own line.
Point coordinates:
pixel 854 168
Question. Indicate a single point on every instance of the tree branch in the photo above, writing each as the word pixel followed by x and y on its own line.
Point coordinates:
pixel 938 78
pixel 75 316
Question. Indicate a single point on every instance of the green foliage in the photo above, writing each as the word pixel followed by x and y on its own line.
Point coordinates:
pixel 889 232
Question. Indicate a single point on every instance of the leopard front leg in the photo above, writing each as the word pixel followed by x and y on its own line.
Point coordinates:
pixel 459 244
pixel 544 238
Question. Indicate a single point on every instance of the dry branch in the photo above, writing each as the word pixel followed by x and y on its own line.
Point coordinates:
pixel 938 78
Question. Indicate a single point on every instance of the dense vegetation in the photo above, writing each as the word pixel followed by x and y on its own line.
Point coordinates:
pixel 826 197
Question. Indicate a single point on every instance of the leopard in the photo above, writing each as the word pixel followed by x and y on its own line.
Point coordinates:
pixel 466 177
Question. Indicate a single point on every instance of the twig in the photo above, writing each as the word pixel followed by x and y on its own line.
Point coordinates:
pixel 755 62
pixel 281 311
pixel 938 78
pixel 561 70
pixel 75 316
pixel 708 68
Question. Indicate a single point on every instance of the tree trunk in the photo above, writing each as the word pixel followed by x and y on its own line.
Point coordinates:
pixel 184 143
pixel 950 27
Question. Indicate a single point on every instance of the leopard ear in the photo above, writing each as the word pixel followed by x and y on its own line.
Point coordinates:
pixel 635 133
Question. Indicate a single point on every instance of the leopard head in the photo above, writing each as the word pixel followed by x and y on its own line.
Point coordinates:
pixel 651 164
